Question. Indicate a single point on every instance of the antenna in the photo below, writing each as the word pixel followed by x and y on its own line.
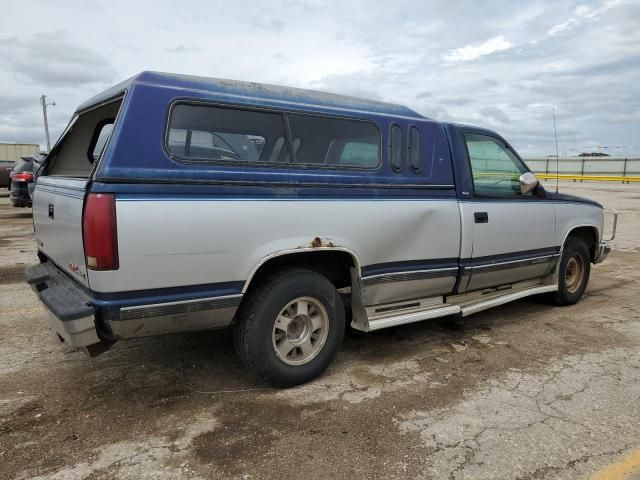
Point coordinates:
pixel 555 131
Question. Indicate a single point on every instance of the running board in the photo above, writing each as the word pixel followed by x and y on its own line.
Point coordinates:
pixel 444 309
pixel 502 299
pixel 402 319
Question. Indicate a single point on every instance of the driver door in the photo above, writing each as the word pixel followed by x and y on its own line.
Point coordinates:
pixel 512 233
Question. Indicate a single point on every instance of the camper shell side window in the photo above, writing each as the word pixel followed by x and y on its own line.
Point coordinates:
pixel 199 133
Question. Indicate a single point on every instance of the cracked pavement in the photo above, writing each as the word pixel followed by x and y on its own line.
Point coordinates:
pixel 584 406
pixel 523 391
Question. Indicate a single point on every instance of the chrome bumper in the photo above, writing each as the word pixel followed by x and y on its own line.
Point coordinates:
pixel 77 333
pixel 67 306
pixel 604 248
pixel 614 225
pixel 602 252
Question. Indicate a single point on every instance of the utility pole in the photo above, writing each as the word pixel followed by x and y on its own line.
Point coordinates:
pixel 43 102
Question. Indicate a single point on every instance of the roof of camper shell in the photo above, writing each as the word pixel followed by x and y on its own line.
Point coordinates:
pixel 250 92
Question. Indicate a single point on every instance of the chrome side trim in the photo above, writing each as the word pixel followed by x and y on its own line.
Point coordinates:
pixel 411 271
pixel 182 306
pixel 501 300
pixel 406 276
pixel 514 263
pixel 207 319
pixel 138 307
pixel 173 317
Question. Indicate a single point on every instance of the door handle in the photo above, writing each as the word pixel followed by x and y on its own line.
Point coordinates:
pixel 51 211
pixel 481 217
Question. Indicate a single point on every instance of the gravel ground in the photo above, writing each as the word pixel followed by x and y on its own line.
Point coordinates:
pixel 522 391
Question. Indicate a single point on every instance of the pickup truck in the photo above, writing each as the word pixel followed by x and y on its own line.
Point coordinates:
pixel 177 203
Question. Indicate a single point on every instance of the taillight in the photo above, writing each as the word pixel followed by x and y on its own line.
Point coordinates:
pixel 99 232
pixel 22 177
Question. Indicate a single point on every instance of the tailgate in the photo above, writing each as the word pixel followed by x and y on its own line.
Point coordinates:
pixel 59 195
pixel 57 218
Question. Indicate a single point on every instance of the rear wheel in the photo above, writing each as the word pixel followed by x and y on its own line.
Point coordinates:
pixel 573 272
pixel 290 327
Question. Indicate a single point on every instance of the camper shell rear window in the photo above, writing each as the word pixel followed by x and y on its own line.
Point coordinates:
pixel 83 143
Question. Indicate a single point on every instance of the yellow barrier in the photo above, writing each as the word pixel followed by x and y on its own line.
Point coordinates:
pixel 562 176
pixel 595 178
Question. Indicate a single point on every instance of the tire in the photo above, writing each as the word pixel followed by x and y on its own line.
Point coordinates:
pixel 573 272
pixel 290 327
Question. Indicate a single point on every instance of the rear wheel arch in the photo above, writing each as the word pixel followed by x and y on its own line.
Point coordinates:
pixel 334 263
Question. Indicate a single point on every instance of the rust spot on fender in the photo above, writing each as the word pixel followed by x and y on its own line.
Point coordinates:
pixel 318 242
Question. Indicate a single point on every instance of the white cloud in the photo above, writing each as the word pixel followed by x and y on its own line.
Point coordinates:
pixel 49 57
pixel 473 52
pixel 407 52
pixel 580 14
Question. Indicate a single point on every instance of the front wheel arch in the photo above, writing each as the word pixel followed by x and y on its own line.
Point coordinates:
pixel 568 293
pixel 589 234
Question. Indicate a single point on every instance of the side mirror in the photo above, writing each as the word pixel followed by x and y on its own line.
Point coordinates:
pixel 528 182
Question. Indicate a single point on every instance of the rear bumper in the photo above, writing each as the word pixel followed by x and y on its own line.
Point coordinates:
pixel 602 252
pixel 80 332
pixel 67 305
pixel 20 194
pixel 83 319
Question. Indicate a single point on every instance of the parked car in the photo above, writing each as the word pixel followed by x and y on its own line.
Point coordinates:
pixel 5 170
pixel 151 217
pixel 21 177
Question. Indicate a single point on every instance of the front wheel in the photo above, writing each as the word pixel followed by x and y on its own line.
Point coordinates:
pixel 290 327
pixel 573 272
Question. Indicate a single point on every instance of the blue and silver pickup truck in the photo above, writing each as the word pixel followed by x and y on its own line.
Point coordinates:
pixel 175 203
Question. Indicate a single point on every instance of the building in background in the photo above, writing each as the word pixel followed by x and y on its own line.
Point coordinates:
pixel 10 153
pixel 13 151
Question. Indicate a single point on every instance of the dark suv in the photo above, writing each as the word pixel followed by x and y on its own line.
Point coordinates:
pixel 21 176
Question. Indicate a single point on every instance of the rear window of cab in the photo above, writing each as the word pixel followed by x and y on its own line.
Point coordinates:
pixel 199 133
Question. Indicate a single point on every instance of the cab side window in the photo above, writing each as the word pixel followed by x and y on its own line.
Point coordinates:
pixel 496 170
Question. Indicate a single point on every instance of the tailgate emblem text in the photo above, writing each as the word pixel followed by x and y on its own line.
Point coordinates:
pixel 76 269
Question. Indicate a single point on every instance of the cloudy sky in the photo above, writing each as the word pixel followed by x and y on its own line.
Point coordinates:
pixel 499 64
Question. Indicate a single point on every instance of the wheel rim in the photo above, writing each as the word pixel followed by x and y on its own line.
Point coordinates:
pixel 574 273
pixel 300 331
